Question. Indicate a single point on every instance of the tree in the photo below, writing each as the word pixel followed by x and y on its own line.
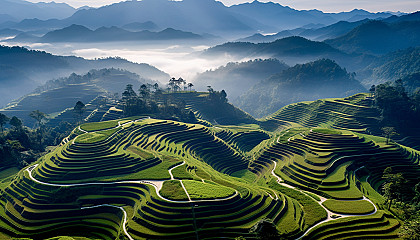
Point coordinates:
pixel 156 86
pixel 393 185
pixel 16 123
pixel 410 230
pixel 144 91
pixel 129 92
pixel 372 90
pixel 172 83
pixel 388 132
pixel 79 109
pixel 3 120
pixel 210 89
pixel 190 85
pixel 38 116
pixel 223 96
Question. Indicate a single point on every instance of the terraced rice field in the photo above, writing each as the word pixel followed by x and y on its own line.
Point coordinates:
pixel 144 178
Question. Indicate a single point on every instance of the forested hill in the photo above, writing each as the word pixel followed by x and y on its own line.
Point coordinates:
pixel 378 37
pixel 236 78
pixel 320 79
pixel 27 69
pixel 290 46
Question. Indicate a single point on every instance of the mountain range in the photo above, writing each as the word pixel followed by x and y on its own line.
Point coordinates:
pixel 321 33
pixel 205 16
pixel 23 70
pixel 17 10
pixel 78 33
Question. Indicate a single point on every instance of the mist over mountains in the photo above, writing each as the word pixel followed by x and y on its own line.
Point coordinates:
pixel 205 16
pixel 376 47
pixel 302 82
pixel 23 70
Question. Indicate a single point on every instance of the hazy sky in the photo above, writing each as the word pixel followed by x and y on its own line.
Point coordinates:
pixel 324 5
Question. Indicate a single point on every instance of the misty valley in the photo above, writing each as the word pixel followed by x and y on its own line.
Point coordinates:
pixel 161 119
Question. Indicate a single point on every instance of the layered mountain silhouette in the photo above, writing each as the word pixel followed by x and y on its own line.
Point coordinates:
pixel 378 37
pixel 78 33
pixel 317 34
pixel 16 10
pixel 283 17
pixel 237 78
pixel 22 70
pixel 289 46
pixel 204 16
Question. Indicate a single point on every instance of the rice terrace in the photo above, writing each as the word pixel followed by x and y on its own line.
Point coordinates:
pixel 316 176
pixel 209 119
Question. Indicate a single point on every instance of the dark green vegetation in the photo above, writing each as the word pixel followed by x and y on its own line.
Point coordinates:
pixel 299 83
pixel 173 179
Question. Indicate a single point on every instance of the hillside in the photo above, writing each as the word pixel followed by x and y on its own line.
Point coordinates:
pixel 377 37
pixel 303 82
pixel 392 66
pixel 207 16
pixel 318 34
pixel 289 46
pixel 144 177
pixel 78 33
pixel 20 9
pixel 237 78
pixel 34 68
pixel 65 92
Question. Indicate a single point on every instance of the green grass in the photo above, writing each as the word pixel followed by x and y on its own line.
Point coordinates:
pixel 8 172
pixel 200 190
pixel 95 136
pixel 173 190
pixel 349 207
pixel 157 172
pixel 141 152
pixel 6 177
pixel 95 126
pixel 181 172
pixel 245 175
pixel 326 131
pixel 313 211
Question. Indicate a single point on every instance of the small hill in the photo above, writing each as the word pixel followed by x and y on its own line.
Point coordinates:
pixel 78 33
pixel 139 26
pixel 377 37
pixel 65 92
pixel 289 46
pixel 37 67
pixel 320 79
pixel 237 78
pixel 213 108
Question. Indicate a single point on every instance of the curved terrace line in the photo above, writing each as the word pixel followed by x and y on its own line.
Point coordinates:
pixel 323 199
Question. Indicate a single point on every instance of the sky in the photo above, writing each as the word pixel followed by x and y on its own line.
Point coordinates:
pixel 324 5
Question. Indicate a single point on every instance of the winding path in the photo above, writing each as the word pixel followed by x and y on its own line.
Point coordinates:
pixel 330 214
pixel 157 184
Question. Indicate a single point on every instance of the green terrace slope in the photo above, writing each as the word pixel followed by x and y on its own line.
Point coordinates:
pixel 215 112
pixel 352 113
pixel 106 180
pixel 145 178
pixel 355 113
